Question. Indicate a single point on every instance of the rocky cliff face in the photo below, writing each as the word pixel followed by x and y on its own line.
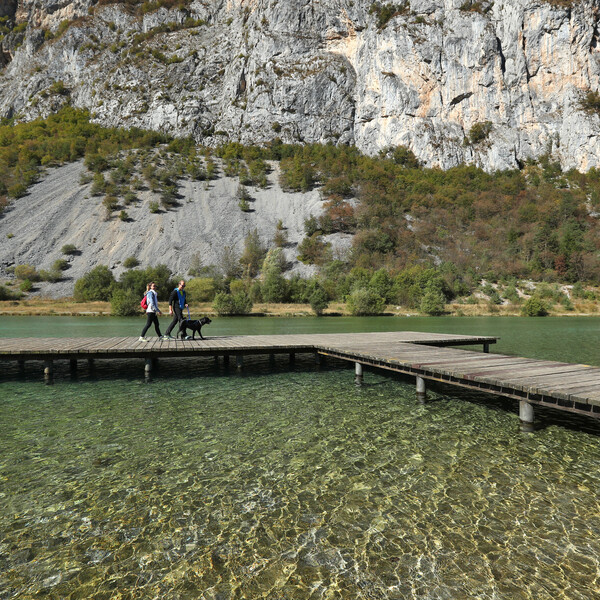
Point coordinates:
pixel 492 84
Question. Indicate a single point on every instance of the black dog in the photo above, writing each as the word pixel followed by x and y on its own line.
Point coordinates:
pixel 192 326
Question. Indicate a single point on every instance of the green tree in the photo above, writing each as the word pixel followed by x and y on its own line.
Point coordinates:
pixel 124 303
pixel 318 298
pixel 137 279
pixel 364 301
pixel 253 254
pixel 201 289
pixel 95 285
pixel 534 307
pixel 273 287
pixel 230 263
pixel 433 301
pixel 381 284
pixel 232 304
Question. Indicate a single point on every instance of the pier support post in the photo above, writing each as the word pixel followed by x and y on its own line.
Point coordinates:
pixel 90 363
pixel 318 359
pixel 226 360
pixel 73 364
pixel 358 373
pixel 239 361
pixel 271 359
pixel 148 369
pixel 486 348
pixel 292 358
pixel 48 371
pixel 526 416
pixel 421 389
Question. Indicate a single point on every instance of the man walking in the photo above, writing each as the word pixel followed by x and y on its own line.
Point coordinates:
pixel 177 302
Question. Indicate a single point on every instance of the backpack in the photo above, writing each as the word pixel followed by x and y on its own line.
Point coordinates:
pixel 144 302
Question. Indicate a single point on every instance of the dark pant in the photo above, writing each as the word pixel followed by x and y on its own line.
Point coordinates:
pixel 151 318
pixel 177 318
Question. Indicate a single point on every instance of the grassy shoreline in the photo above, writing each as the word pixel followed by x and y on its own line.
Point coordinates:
pixel 68 307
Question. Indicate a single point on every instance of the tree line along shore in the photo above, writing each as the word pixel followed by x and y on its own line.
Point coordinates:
pixel 423 240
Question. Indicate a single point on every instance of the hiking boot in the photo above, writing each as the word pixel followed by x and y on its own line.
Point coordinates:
pixel 143 339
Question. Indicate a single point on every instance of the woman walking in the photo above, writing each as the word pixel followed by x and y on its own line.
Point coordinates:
pixel 152 311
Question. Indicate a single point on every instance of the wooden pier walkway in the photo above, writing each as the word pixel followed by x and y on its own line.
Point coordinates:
pixel 426 356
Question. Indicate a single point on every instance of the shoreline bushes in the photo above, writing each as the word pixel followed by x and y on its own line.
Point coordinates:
pixel 534 223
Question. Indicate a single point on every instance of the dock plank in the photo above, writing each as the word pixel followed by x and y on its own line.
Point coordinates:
pixel 429 355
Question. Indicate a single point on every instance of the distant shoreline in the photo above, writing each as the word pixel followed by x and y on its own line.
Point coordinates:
pixel 68 308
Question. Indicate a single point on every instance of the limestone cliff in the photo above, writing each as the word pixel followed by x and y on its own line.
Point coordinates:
pixel 336 71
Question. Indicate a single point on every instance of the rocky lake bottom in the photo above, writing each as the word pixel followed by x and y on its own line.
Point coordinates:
pixel 287 483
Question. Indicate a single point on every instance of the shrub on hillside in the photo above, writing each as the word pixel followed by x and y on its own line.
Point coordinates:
pixel 201 289
pixel 6 294
pixel 479 132
pixel 53 275
pixel 69 249
pixel 60 264
pixel 131 262
pixel 26 286
pixel 591 103
pixel 313 250
pixel 511 294
pixel 26 271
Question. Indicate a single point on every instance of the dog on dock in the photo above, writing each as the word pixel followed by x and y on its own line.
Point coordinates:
pixel 193 326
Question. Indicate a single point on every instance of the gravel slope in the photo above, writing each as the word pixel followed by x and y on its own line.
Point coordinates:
pixel 59 210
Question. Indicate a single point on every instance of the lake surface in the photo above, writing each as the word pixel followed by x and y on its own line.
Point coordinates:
pixel 292 483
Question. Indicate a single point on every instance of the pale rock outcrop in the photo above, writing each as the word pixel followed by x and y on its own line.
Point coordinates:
pixel 323 71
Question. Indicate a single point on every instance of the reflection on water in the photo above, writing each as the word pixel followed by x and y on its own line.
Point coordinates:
pixel 286 484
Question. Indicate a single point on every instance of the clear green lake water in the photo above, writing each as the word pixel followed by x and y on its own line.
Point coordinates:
pixel 291 482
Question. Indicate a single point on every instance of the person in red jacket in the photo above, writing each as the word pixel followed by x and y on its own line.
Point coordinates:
pixel 152 311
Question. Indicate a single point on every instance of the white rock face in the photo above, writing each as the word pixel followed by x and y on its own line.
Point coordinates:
pixel 322 71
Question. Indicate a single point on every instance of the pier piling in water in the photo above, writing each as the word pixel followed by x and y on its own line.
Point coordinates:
pixel 358 373
pixel 433 357
pixel 48 371
pixel 526 416
pixel 421 389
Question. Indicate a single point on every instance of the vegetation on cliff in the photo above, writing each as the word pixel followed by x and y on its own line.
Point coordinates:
pixel 421 237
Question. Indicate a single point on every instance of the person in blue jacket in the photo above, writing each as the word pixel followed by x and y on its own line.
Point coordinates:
pixel 177 302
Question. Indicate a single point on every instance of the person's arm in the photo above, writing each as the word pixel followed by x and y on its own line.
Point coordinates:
pixel 154 300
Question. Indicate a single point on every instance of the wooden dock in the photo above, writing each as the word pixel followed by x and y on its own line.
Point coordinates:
pixel 426 356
